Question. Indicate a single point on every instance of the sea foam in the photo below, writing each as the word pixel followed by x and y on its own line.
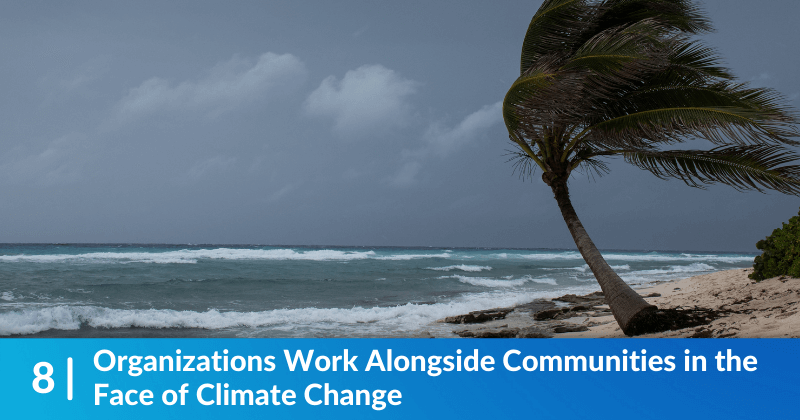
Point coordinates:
pixel 406 317
pixel 192 256
pixel 505 282
pixel 462 267
pixel 675 269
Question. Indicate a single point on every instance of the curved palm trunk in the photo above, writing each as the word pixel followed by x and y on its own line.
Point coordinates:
pixel 633 314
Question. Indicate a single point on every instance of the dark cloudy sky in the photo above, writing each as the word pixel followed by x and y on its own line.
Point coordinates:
pixel 325 122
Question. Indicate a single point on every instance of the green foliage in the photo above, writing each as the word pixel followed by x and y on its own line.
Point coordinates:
pixel 781 252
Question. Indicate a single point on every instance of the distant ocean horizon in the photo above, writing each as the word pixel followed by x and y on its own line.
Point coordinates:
pixel 208 290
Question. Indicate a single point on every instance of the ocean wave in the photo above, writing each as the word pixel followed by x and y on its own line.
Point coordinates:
pixel 505 282
pixel 585 268
pixel 567 255
pixel 405 257
pixel 406 317
pixel 625 257
pixel 187 256
pixel 192 256
pixel 462 267
pixel 675 269
pixel 731 259
pixel 673 272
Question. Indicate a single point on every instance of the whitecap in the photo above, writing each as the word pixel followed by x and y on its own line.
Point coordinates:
pixel 504 282
pixel 673 269
pixel 187 256
pixel 404 257
pixel 406 317
pixel 462 267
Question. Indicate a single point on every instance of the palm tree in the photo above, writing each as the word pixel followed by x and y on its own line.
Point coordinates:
pixel 608 78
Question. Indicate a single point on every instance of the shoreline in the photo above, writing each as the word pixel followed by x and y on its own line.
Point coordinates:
pixel 714 305
pixel 723 304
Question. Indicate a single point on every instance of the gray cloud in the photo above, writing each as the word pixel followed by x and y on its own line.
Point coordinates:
pixel 227 85
pixel 212 165
pixel 368 100
pixel 407 175
pixel 173 148
pixel 59 163
pixel 286 189
pixel 442 141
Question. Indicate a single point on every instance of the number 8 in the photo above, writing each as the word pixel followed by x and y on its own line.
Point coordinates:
pixel 37 370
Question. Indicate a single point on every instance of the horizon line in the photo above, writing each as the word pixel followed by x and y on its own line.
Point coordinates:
pixel 362 246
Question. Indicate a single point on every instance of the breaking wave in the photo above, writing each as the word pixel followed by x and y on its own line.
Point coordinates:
pixel 674 269
pixel 187 256
pixel 623 257
pixel 192 256
pixel 585 268
pixel 506 282
pixel 462 267
pixel 406 317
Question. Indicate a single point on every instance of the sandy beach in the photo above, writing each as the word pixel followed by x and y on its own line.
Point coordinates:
pixel 736 306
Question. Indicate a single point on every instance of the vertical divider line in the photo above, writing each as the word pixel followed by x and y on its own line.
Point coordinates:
pixel 69 378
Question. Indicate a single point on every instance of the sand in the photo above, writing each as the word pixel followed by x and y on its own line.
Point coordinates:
pixel 766 309
pixel 738 307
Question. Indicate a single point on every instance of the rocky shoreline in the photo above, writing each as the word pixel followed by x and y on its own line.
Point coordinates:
pixel 715 305
pixel 541 318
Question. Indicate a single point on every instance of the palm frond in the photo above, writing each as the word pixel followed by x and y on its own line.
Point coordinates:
pixel 552 29
pixel 593 167
pixel 742 167
pixel 670 122
pixel 602 77
pixel 523 166
pixel 614 61
pixel 695 61
pixel 609 50
pixel 765 102
pixel 522 89
pixel 679 15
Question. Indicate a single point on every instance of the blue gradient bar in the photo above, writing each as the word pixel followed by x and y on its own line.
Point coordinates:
pixel 768 389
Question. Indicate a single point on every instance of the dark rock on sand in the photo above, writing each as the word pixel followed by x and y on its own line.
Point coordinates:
pixel 476 317
pixel 595 298
pixel 570 328
pixel 527 332
pixel 549 314
pixel 562 313
pixel 489 333
pixel 535 306
pixel 546 318
pixel 534 332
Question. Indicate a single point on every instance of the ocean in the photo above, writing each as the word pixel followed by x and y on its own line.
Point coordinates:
pixel 133 290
